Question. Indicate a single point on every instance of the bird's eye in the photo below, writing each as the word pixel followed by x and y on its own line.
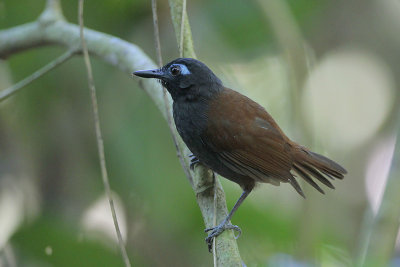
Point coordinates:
pixel 175 70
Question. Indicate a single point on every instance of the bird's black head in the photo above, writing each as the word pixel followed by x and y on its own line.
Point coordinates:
pixel 185 79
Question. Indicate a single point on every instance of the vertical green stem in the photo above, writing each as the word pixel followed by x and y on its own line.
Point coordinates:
pixel 209 192
pixel 177 7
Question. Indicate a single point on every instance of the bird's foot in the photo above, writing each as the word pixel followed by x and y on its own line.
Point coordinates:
pixel 193 161
pixel 216 231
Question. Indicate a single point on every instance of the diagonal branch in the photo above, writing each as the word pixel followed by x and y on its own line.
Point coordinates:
pixel 121 54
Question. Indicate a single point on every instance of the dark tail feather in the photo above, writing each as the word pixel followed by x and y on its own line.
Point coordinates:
pixel 310 165
pixel 318 175
pixel 325 165
pixel 307 178
pixel 296 186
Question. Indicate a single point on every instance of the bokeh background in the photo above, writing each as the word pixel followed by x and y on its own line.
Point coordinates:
pixel 53 211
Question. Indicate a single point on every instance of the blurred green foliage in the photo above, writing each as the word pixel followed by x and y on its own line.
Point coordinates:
pixel 65 249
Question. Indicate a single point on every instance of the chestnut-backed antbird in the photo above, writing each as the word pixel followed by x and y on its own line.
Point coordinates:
pixel 234 136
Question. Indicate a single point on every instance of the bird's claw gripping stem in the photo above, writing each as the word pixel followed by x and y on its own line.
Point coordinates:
pixel 216 231
pixel 193 161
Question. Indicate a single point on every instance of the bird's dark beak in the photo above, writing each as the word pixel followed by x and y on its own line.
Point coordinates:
pixel 157 73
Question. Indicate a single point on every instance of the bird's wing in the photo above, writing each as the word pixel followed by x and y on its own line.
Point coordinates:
pixel 247 140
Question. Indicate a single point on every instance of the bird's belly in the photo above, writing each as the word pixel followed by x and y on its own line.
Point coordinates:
pixel 190 126
pixel 209 158
pixel 217 166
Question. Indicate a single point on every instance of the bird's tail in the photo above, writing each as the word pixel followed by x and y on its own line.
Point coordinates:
pixel 310 165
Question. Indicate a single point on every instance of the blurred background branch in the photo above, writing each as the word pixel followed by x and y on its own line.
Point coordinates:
pixel 299 59
pixel 380 238
pixel 121 54
pixel 294 49
pixel 52 11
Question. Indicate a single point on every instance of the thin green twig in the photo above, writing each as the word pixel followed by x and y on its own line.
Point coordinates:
pixel 170 122
pixel 157 42
pixel 99 138
pixel 6 93
pixel 182 28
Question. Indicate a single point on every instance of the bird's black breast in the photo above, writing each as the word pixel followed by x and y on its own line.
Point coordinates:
pixel 191 121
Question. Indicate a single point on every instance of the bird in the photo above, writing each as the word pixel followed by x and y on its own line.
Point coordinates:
pixel 236 137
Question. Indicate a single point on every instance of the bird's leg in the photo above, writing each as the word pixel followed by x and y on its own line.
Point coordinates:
pixel 193 161
pixel 225 224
